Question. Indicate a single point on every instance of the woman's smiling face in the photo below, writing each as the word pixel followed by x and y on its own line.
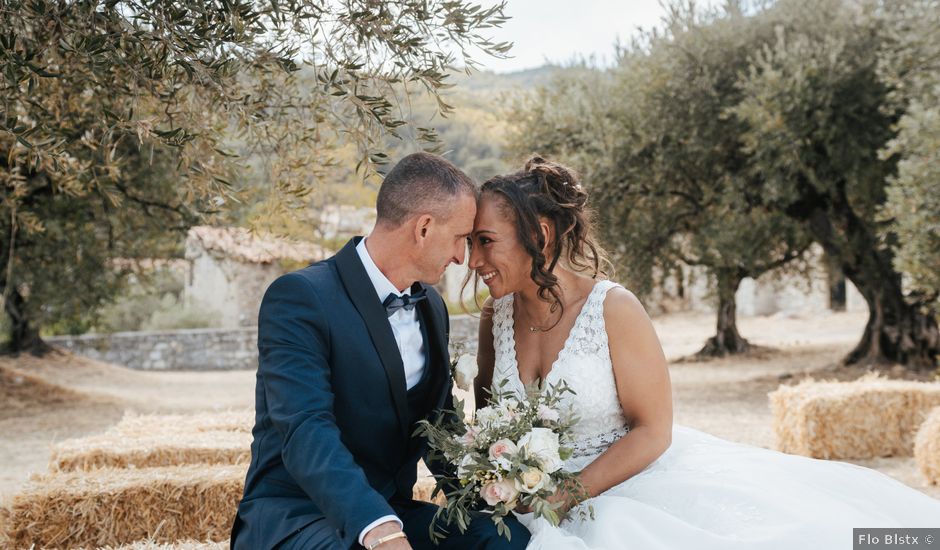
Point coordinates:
pixel 496 254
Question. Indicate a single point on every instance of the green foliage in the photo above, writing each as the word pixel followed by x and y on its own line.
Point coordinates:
pixel 140 299
pixel 812 106
pixel 463 446
pixel 153 301
pixel 910 64
pixel 93 93
pixel 662 159
pixel 171 314
pixel 913 197
pixel 734 137
pixel 71 267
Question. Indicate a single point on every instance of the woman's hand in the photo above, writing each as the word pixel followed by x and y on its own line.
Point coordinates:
pixel 562 495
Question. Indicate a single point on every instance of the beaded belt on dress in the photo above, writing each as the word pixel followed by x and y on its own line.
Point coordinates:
pixel 597 443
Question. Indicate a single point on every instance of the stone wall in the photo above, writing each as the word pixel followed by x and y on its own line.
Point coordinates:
pixel 197 349
pixel 191 349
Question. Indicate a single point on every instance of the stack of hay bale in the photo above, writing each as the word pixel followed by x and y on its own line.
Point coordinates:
pixel 158 478
pixel 150 482
pixel 867 418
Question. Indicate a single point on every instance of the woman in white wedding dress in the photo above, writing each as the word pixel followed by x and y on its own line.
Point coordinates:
pixel 552 316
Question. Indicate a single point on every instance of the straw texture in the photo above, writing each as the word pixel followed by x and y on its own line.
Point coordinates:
pixel 927 448
pixel 222 421
pixel 111 507
pixel 181 545
pixel 870 417
pixel 116 450
pixel 164 481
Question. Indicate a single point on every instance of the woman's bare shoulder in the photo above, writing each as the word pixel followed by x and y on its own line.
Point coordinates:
pixel 621 304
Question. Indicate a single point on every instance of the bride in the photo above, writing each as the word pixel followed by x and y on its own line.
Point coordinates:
pixel 552 315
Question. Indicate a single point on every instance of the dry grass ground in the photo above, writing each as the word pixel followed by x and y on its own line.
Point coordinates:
pixel 61 396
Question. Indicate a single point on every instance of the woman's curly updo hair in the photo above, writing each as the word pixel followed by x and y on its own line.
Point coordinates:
pixel 548 191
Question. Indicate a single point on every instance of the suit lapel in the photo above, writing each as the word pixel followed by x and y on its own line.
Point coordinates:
pixel 438 356
pixel 362 294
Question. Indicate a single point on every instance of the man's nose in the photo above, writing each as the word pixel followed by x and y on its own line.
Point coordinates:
pixel 461 254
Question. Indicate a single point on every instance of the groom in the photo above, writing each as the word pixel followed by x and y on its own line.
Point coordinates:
pixel 353 353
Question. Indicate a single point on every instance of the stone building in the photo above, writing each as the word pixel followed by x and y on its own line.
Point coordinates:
pixel 231 268
pixel 340 222
pixel 770 294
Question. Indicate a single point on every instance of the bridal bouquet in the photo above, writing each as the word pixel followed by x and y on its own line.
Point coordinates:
pixel 509 453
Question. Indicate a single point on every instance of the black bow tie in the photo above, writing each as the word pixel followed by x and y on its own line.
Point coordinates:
pixel 393 302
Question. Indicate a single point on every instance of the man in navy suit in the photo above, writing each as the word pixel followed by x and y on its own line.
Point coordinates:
pixel 353 353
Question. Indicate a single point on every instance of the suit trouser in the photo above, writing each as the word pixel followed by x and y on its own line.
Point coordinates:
pixel 417 516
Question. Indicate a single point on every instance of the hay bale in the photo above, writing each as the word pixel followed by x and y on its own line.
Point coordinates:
pixel 181 545
pixel 111 507
pixel 423 490
pixel 223 421
pixel 4 529
pixel 927 447
pixel 119 450
pixel 424 486
pixel 867 418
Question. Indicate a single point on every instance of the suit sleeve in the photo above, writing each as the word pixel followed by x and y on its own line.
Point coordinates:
pixel 293 346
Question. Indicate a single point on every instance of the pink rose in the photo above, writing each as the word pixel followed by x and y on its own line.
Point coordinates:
pixel 501 448
pixel 470 436
pixel 499 491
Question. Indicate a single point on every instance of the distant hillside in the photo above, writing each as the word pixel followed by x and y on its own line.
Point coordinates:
pixel 487 81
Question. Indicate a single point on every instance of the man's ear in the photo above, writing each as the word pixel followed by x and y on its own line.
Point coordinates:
pixel 422 225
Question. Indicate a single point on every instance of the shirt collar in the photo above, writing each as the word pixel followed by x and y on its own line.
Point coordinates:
pixel 383 287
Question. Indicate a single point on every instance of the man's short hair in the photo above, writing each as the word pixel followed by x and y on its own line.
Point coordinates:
pixel 421 183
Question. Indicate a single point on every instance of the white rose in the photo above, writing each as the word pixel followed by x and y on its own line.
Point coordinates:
pixel 463 470
pixel 542 444
pixel 499 452
pixel 465 371
pixel 486 417
pixel 533 480
pixel 508 409
pixel 499 491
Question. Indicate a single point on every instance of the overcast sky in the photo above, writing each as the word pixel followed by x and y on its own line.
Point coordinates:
pixel 557 30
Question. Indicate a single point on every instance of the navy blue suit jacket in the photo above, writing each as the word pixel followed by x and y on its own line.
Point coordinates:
pixel 331 436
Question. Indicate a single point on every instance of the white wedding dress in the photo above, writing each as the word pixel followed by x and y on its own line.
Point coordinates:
pixel 703 492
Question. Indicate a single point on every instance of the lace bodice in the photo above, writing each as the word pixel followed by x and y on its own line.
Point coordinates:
pixel 583 363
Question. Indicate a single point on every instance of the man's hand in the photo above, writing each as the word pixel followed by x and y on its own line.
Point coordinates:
pixel 384 529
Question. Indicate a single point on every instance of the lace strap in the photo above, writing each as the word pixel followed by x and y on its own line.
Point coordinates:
pixel 589 333
pixel 503 333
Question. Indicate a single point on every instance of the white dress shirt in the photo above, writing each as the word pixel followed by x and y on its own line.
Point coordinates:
pixel 407 331
pixel 404 323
